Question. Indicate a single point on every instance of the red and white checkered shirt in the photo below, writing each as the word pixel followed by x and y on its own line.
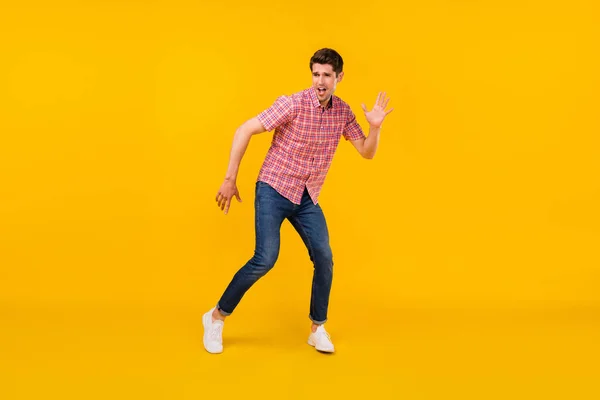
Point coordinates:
pixel 304 143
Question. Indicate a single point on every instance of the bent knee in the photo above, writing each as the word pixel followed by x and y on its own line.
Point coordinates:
pixel 323 254
pixel 265 260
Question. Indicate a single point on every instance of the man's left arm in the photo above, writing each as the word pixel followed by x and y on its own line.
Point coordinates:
pixel 367 147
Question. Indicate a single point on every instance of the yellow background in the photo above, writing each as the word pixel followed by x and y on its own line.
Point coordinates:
pixel 466 253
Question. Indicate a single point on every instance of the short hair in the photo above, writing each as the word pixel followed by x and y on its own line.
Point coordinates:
pixel 328 56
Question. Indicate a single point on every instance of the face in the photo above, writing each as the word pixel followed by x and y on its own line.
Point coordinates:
pixel 325 81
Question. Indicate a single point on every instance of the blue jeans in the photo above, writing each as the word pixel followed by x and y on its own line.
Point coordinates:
pixel 271 209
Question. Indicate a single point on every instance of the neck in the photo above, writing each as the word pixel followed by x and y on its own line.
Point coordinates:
pixel 325 103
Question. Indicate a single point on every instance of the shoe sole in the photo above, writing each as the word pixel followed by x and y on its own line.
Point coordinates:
pixel 204 324
pixel 310 342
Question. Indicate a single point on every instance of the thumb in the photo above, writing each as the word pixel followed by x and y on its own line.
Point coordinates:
pixel 237 196
pixel 364 107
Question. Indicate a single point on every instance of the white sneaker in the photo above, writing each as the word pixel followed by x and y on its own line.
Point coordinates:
pixel 213 333
pixel 321 340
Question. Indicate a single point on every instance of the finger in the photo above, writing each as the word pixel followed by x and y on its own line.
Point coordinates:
pixel 391 109
pixel 364 107
pixel 386 103
pixel 382 100
pixel 377 101
pixel 222 201
pixel 217 198
pixel 227 206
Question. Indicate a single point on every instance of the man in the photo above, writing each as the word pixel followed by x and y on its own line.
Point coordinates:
pixel 308 126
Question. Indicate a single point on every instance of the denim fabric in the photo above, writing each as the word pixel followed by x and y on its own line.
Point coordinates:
pixel 271 209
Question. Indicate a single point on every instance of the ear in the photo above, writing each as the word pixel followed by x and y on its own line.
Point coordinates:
pixel 340 76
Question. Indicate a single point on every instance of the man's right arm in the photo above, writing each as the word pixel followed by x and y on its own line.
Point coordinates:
pixel 241 140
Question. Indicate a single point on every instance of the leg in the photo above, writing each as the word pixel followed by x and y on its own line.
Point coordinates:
pixel 270 211
pixel 309 222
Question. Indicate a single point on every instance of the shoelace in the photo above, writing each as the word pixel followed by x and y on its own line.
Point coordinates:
pixel 215 332
pixel 323 333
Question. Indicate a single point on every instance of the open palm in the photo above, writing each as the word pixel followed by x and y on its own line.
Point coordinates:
pixel 377 114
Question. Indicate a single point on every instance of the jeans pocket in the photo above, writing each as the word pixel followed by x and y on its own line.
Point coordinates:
pixel 262 185
pixel 261 188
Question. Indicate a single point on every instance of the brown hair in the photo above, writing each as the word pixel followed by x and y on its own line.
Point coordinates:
pixel 328 56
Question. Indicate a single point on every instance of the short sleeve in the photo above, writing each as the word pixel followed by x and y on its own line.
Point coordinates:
pixel 281 112
pixel 352 130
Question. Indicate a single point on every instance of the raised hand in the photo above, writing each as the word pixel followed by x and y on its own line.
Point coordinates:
pixel 377 114
pixel 225 195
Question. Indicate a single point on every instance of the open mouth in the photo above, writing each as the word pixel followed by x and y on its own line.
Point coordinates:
pixel 321 91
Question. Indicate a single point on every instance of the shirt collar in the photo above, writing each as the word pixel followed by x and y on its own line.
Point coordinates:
pixel 315 99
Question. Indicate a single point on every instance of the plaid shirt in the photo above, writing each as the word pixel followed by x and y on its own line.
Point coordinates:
pixel 305 139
